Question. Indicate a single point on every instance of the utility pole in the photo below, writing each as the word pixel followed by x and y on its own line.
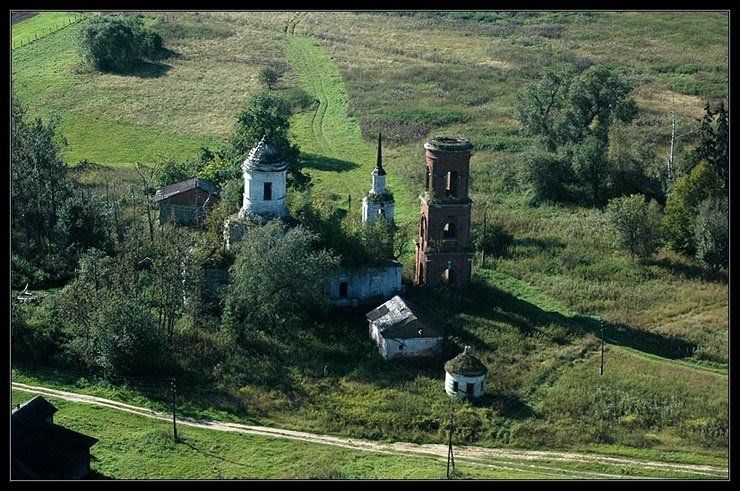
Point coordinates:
pixel 601 324
pixel 174 409
pixel 450 454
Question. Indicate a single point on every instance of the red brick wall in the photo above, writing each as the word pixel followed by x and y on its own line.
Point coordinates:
pixel 435 254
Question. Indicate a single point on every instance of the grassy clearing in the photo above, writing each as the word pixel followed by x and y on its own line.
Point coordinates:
pixel 135 447
pixel 41 25
pixel 339 160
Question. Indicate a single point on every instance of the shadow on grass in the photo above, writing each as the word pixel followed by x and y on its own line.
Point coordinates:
pixel 689 271
pixel 209 454
pixel 486 301
pixel 321 162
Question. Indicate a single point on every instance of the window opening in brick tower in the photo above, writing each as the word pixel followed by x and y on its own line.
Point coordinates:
pixel 449 232
pixel 451 188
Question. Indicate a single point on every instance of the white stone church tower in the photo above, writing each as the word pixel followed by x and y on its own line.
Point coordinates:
pixel 379 201
pixel 265 175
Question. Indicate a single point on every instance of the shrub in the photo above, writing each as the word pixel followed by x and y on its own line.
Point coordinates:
pixel 550 175
pixel 495 241
pixel 636 223
pixel 116 44
pixel 711 232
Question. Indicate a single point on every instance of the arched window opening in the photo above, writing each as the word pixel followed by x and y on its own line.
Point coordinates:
pixel 451 185
pixel 267 191
pixel 450 276
pixel 343 289
pixel 449 231
pixel 427 182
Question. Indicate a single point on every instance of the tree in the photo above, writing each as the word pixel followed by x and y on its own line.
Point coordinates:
pixel 266 115
pixel 268 76
pixel 637 224
pixel 277 279
pixel 714 141
pixel 596 97
pixel 114 43
pixel 682 207
pixel 128 340
pixel 550 175
pixel 711 232
pixel 39 187
pixel 540 107
pixel 591 165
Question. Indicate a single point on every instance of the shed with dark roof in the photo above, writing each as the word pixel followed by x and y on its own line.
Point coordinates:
pixel 41 449
pixel 401 330
pixel 186 202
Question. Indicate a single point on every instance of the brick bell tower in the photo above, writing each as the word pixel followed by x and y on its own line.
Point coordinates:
pixel 444 254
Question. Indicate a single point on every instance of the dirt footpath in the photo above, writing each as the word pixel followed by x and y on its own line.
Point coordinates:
pixel 516 460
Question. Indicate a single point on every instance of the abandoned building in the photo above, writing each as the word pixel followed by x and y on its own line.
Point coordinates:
pixel 350 287
pixel 379 200
pixel 265 184
pixel 41 449
pixel 401 331
pixel 465 375
pixel 443 251
pixel 186 202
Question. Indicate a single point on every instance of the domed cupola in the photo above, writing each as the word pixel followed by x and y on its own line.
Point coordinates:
pixel 265 175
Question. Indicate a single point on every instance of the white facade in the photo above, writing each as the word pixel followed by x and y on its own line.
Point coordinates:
pixel 265 183
pixel 350 287
pixel 391 349
pixel 372 210
pixel 460 385
pixel 264 193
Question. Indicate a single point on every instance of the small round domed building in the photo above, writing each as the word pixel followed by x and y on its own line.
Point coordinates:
pixel 465 375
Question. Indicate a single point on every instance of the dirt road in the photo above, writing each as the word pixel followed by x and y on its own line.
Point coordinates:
pixel 530 460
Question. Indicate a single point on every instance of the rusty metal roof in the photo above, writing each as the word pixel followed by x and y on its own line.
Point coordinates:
pixel 397 318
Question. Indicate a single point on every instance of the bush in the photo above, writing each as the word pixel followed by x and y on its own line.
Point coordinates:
pixel 117 44
pixel 636 222
pixel 682 207
pixel 550 175
pixel 712 233
pixel 496 240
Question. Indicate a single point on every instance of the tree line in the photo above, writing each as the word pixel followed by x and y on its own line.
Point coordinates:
pixel 574 114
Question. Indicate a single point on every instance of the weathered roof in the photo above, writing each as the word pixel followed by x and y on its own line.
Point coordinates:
pixel 466 364
pixel 397 318
pixel 266 157
pixel 181 187
pixel 448 144
pixel 41 446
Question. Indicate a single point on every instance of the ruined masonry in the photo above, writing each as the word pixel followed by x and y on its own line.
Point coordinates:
pixel 443 252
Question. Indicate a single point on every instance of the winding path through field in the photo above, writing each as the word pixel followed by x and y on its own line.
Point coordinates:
pixel 505 459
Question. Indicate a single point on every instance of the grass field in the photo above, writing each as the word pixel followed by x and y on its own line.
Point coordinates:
pixel 135 447
pixel 531 315
pixel 42 25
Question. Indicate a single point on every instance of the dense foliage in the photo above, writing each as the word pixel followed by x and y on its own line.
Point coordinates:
pixel 113 43
pixel 637 223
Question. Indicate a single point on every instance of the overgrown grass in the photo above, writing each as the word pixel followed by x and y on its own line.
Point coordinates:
pixel 530 316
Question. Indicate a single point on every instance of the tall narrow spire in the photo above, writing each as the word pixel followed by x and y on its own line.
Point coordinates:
pixel 379 163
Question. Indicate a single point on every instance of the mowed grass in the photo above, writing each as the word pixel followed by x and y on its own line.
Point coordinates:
pixel 168 108
pixel 40 25
pixel 135 447
pixel 339 160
